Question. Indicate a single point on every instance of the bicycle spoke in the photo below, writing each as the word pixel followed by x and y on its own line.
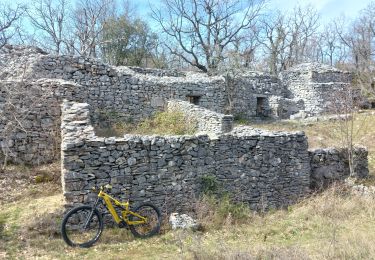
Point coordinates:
pixel 75 229
pixel 152 221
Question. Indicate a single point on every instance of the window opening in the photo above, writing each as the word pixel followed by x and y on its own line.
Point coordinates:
pixel 194 99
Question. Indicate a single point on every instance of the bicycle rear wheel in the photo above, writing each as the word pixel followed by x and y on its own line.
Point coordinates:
pixel 82 226
pixel 152 225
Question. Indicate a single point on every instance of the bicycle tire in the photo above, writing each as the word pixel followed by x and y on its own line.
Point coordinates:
pixel 152 227
pixel 72 229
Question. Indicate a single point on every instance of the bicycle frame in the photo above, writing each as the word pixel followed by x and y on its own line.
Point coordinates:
pixel 124 213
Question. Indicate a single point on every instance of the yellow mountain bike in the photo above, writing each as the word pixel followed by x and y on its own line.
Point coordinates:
pixel 83 225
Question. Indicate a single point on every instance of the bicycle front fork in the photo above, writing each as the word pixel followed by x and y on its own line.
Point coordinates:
pixel 91 213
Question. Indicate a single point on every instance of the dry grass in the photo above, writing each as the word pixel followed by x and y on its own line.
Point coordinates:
pixel 214 213
pixel 18 182
pixel 334 224
pixel 162 123
pixel 331 225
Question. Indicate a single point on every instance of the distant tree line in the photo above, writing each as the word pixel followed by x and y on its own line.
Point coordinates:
pixel 206 35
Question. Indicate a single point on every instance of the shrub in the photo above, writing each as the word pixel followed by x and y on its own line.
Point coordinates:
pixel 241 119
pixel 210 185
pixel 216 208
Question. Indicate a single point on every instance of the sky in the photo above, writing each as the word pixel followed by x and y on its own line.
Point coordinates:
pixel 329 9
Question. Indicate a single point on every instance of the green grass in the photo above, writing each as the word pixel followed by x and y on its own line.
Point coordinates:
pixel 162 123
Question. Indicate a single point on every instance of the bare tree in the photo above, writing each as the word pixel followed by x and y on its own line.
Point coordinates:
pixel 274 40
pixel 201 30
pixel 330 43
pixel 50 17
pixel 8 19
pixel 243 53
pixel 88 18
pixel 359 39
pixel 286 37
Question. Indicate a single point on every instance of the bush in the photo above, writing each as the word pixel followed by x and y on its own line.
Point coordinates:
pixel 241 119
pixel 210 185
pixel 216 208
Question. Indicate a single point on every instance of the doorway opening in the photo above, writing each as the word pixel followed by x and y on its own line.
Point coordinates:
pixel 260 111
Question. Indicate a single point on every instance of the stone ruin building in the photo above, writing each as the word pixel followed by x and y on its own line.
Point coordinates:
pixel 78 94
pixel 136 93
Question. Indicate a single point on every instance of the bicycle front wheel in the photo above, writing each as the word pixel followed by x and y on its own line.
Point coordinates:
pixel 152 224
pixel 82 226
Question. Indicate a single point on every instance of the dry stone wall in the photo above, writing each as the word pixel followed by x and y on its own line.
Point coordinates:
pixel 30 121
pixel 246 89
pixel 330 165
pixel 263 169
pixel 315 85
pixel 207 121
pixel 131 93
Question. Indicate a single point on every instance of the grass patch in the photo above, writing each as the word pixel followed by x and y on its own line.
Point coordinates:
pixel 162 123
pixel 214 212
pixel 20 181
pixel 331 225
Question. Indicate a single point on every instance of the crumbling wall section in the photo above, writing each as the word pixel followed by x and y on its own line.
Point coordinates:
pixel 30 120
pixel 118 94
pixel 331 164
pixel 130 93
pixel 207 121
pixel 316 85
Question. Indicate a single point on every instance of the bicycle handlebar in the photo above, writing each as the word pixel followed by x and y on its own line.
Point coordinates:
pixel 101 188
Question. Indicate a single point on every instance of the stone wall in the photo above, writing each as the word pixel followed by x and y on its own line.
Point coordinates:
pixel 208 122
pixel 284 108
pixel 330 165
pixel 30 121
pixel 245 89
pixel 131 94
pixel 263 169
pixel 316 85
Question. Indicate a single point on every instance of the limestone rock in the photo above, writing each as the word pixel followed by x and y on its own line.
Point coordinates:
pixel 182 221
